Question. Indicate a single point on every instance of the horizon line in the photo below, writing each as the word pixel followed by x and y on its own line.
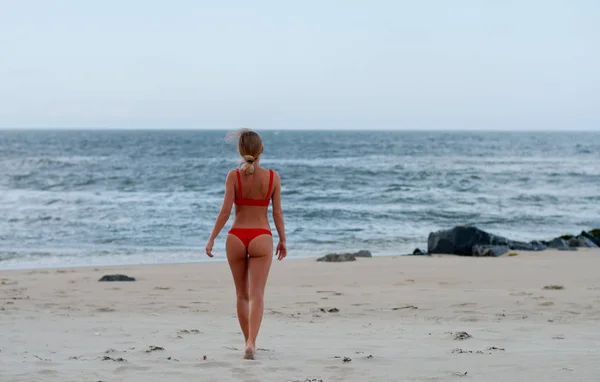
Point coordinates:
pixel 162 129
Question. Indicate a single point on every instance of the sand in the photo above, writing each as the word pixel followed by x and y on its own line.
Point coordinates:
pixel 399 319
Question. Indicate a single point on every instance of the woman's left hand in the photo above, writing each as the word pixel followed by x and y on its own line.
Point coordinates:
pixel 209 247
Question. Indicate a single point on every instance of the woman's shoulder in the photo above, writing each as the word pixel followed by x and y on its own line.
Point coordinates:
pixel 232 173
pixel 275 174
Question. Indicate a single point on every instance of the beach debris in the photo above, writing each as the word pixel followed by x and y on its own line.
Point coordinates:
pixel 172 359
pixel 116 277
pixel 204 357
pixel 106 310
pixel 554 287
pixel 558 338
pixel 406 307
pixel 494 348
pixel 461 336
pixel 154 348
pixel 330 310
pixel 461 351
pixel 513 254
pixel 109 351
pixel 107 358
pixel 188 331
pixel 460 374
pixel 370 356
pixel 347 359
pixel 42 359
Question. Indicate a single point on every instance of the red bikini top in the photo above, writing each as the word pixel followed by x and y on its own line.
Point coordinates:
pixel 240 201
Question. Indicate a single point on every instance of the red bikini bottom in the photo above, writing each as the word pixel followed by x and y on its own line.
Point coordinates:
pixel 246 235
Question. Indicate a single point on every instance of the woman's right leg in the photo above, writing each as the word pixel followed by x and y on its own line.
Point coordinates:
pixel 260 253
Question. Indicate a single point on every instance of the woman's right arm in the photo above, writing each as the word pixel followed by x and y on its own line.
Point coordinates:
pixel 281 251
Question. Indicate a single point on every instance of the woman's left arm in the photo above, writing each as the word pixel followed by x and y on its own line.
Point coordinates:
pixel 223 214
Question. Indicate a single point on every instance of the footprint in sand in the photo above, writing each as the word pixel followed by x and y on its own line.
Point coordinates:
pixel 521 294
pixel 213 364
pixel 464 304
pixel 123 369
pixel 303 303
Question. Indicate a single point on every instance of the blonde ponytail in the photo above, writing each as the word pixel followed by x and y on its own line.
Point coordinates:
pixel 248 166
pixel 250 147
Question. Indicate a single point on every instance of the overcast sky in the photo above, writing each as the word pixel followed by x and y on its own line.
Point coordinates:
pixel 322 64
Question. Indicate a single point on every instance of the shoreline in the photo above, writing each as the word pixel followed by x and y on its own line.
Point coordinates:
pixel 219 259
pixel 223 259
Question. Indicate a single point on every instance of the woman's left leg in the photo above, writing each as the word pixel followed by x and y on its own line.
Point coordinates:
pixel 238 262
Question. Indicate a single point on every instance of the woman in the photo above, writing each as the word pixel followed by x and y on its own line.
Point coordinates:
pixel 249 244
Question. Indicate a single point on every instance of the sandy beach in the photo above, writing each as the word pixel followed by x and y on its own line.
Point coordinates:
pixel 531 317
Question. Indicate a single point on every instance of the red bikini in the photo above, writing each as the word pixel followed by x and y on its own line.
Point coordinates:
pixel 246 235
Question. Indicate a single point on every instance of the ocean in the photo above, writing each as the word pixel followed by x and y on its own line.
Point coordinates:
pixel 77 198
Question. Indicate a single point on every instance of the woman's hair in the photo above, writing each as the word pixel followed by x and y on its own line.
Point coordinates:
pixel 250 147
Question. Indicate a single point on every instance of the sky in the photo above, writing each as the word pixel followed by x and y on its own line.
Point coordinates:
pixel 325 64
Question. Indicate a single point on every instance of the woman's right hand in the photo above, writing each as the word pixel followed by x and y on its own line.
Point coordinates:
pixel 281 251
pixel 209 247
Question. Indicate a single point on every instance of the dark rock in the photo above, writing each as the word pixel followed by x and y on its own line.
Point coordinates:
pixel 460 241
pixel 418 252
pixel 116 278
pixel 560 244
pixel 585 242
pixel 337 258
pixel 538 245
pixel 521 246
pixel 489 250
pixel 363 253
pixel 592 236
pixel 582 241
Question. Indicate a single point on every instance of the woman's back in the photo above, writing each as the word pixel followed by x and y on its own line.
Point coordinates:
pixel 257 186
pixel 252 196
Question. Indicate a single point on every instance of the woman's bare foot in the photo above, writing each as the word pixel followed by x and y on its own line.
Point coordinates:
pixel 249 353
